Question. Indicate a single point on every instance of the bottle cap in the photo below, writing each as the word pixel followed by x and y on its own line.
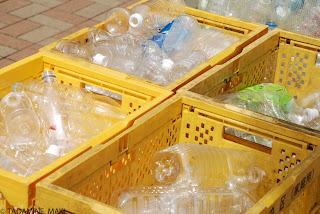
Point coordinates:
pixel 100 59
pixel 136 20
pixel 310 114
pixel 167 64
pixel 53 150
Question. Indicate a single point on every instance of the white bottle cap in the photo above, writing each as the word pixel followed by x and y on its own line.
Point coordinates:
pixel 53 150
pixel 100 59
pixel 310 114
pixel 167 64
pixel 135 20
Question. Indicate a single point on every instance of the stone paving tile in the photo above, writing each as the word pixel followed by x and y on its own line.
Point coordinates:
pixel 128 3
pixel 28 25
pixel 20 28
pixel 64 16
pixel 29 10
pixel 61 35
pixel 101 17
pixel 74 5
pixel 9 19
pixel 109 3
pixel 92 10
pixel 2 25
pixel 51 22
pixel 10 5
pixel 6 51
pixel 47 3
pixel 25 52
pixel 39 34
pixel 47 41
pixel 5 62
pixel 12 42
pixel 89 23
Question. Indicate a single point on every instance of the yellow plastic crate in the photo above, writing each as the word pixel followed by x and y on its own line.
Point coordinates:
pixel 245 30
pixel 16 191
pixel 86 184
pixel 286 58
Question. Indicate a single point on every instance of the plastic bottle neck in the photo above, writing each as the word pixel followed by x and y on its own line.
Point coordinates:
pixel 136 20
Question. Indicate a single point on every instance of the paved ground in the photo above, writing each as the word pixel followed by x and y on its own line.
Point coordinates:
pixel 27 25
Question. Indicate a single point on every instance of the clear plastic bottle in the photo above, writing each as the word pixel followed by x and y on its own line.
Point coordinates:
pixel 282 11
pixel 154 14
pixel 129 46
pixel 97 35
pixel 191 164
pixel 108 108
pixel 52 109
pixel 181 37
pixel 156 64
pixel 21 121
pixel 148 69
pixel 118 21
pixel 125 65
pixel 73 48
pixel 183 66
pixel 5 164
pixel 97 54
pixel 259 11
pixel 175 71
pixel 217 7
pixel 212 42
pixel 311 100
pixel 50 155
pixel 76 101
pixel 169 199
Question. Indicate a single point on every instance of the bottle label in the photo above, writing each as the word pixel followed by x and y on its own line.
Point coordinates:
pixel 160 37
pixel 259 93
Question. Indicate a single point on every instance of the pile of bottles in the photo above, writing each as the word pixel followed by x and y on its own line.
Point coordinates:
pixel 276 101
pixel 296 15
pixel 41 121
pixel 192 178
pixel 155 40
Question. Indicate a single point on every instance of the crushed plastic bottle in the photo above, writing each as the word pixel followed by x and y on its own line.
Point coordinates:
pixel 154 14
pixel 211 42
pixel 190 164
pixel 169 199
pixel 181 37
pixel 50 155
pixel 21 121
pixel 76 98
pixel 4 164
pixel 183 66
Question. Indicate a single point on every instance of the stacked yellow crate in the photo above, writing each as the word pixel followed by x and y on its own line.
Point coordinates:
pixel 78 188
